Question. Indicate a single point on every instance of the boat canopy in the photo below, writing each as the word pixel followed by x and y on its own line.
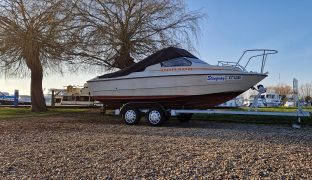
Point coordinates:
pixel 158 57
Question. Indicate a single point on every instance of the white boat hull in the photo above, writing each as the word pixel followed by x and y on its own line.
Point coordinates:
pixel 174 88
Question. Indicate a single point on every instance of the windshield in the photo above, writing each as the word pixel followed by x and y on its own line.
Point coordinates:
pixel 195 60
pixel 176 62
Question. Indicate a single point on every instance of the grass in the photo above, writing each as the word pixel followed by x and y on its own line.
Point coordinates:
pixel 253 119
pixel 6 112
pixel 272 109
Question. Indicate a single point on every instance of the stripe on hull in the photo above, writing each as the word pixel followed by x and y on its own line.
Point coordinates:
pixel 171 102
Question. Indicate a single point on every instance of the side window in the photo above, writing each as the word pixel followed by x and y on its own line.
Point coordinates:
pixel 68 98
pixel 83 98
pixel 176 62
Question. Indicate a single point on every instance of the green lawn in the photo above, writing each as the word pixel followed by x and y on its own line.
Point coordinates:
pixel 249 119
pixel 272 109
pixel 253 119
pixel 6 112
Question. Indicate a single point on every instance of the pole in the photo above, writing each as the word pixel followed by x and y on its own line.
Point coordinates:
pixel 53 98
pixel 297 125
pixel 16 96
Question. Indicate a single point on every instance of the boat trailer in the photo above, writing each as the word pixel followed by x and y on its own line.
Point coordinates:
pixel 156 113
pixel 185 115
pixel 298 114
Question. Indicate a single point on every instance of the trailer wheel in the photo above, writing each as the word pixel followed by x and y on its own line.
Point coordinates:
pixel 184 117
pixel 131 116
pixel 156 116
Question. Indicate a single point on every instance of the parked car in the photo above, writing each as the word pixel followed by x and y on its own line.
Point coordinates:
pixel 289 104
pixel 265 100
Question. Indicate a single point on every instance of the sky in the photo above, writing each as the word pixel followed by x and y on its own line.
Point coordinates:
pixel 229 28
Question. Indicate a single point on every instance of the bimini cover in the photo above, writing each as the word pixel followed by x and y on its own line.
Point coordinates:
pixel 158 57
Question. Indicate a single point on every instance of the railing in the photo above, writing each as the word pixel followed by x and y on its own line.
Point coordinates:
pixel 13 99
pixel 262 53
pixel 230 64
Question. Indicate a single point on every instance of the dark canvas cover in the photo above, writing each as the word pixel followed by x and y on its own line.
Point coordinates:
pixel 158 57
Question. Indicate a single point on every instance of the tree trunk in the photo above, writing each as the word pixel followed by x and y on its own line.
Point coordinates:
pixel 123 59
pixel 37 98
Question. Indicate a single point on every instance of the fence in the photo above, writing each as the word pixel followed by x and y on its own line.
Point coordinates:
pixel 9 100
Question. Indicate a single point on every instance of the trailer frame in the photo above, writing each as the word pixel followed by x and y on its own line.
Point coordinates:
pixel 186 114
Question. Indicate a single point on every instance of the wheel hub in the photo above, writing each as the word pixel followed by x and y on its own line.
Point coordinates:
pixel 130 116
pixel 154 117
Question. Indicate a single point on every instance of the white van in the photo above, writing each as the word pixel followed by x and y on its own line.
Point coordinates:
pixel 266 100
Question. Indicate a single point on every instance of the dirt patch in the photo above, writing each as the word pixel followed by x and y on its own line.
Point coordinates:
pixel 88 145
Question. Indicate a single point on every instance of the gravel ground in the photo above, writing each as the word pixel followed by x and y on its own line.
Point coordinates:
pixel 90 146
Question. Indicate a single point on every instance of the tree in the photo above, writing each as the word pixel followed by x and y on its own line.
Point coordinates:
pixel 282 89
pixel 35 36
pixel 118 31
pixel 306 91
pixel 39 36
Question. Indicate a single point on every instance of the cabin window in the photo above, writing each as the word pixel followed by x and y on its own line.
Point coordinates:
pixel 82 98
pixel 176 62
pixel 68 98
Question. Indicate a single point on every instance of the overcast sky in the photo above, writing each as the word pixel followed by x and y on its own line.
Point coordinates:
pixel 230 27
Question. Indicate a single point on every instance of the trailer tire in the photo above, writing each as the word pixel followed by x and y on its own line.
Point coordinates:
pixel 131 115
pixel 156 116
pixel 184 118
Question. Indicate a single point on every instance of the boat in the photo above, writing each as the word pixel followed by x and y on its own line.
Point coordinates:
pixel 72 96
pixel 176 79
pixel 24 100
pixel 6 99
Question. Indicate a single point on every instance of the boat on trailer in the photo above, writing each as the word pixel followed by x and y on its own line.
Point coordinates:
pixel 174 78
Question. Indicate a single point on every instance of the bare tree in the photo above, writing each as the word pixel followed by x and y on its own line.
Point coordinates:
pixel 282 89
pixel 271 89
pixel 35 36
pixel 118 31
pixel 306 91
pixel 38 36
